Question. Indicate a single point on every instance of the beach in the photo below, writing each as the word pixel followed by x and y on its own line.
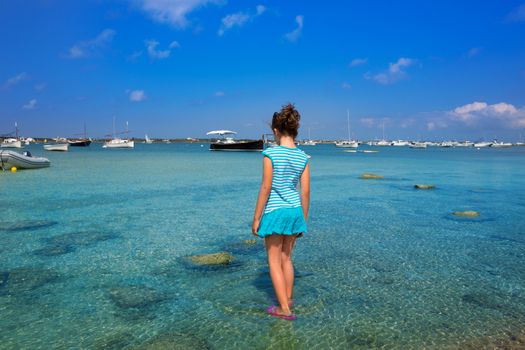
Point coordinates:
pixel 95 251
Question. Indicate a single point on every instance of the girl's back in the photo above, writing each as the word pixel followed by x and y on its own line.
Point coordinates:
pixel 288 165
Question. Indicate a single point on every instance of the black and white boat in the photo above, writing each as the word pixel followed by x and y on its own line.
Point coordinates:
pixel 229 144
pixel 10 159
pixel 82 142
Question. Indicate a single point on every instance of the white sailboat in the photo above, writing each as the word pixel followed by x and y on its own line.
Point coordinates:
pixel 347 143
pixel 309 142
pixel 116 142
pixel 12 142
pixel 147 139
pixel 383 142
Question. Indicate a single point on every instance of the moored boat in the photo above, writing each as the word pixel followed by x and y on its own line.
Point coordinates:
pixel 10 159
pixel 347 143
pixel 60 147
pixel 116 142
pixel 229 144
pixel 418 145
pixel 11 143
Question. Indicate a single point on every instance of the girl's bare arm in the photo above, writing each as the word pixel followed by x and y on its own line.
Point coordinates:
pixel 305 190
pixel 264 193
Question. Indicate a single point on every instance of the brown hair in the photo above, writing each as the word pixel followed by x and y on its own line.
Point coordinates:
pixel 287 120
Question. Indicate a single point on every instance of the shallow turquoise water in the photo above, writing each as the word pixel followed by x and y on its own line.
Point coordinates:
pixel 93 250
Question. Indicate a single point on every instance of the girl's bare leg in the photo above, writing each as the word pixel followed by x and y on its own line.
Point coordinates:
pixel 287 265
pixel 274 245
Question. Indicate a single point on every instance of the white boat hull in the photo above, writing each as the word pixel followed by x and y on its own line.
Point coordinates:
pixel 10 159
pixel 119 144
pixel 347 144
pixel 64 147
pixel 11 144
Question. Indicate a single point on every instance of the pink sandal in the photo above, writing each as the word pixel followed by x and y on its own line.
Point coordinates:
pixel 272 310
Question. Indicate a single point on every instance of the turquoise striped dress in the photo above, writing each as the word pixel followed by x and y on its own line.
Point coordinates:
pixel 283 213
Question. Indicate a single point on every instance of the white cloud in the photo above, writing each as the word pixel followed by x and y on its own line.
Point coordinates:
pixel 137 95
pixel 395 72
pixel 89 48
pixel 368 122
pixel 135 55
pixel 479 112
pixel 172 12
pixel 40 87
pixel 219 94
pixel 346 85
pixel 234 20
pixel 517 15
pixel 296 33
pixel 153 52
pixel 260 9
pixel 16 79
pixel 30 105
pixel 358 62
pixel 477 115
pixel 238 19
pixel 473 52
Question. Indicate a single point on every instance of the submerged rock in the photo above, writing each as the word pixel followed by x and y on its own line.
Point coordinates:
pixel 467 213
pixel 54 250
pixel 28 225
pixel 250 241
pixel 174 340
pixel 222 258
pixel 424 187
pixel 23 279
pixel 370 176
pixel 137 296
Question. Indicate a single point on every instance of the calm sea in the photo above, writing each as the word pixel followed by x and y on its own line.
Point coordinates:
pixel 94 251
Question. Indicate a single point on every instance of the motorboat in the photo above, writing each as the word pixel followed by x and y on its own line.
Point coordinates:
pixel 497 144
pixel 11 143
pixel 382 143
pixel 418 145
pixel 446 144
pixel 482 144
pixel 308 143
pixel 347 143
pixel 399 143
pixel 10 159
pixel 116 142
pixel 465 144
pixel 59 147
pixel 229 144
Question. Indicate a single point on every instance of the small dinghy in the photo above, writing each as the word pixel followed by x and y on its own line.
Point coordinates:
pixel 10 159
pixel 61 147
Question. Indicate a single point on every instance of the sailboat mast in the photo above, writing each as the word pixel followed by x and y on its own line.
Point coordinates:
pixel 16 129
pixel 348 122
pixel 114 132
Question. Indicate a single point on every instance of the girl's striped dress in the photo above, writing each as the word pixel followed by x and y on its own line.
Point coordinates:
pixel 283 213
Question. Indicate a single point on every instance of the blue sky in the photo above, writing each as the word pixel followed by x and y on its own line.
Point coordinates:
pixel 424 70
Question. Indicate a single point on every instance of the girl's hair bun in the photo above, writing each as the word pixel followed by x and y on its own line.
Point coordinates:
pixel 287 120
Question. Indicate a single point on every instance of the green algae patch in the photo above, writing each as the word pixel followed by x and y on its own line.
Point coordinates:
pixel 467 213
pixel 424 187
pixel 221 258
pixel 370 176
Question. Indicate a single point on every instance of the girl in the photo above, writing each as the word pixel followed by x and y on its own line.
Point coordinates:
pixel 281 212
